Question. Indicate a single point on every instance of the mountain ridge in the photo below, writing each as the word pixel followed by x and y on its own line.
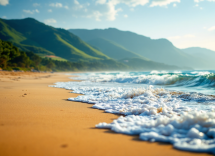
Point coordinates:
pixel 55 40
pixel 31 35
pixel 112 49
pixel 203 53
pixel 158 50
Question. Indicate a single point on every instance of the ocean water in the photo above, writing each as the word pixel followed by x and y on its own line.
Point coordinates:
pixel 177 107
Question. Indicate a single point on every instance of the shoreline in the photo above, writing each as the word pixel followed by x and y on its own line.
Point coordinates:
pixel 39 120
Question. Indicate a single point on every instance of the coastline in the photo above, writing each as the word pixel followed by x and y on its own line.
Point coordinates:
pixel 38 120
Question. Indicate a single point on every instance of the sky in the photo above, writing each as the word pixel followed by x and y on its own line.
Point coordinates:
pixel 186 23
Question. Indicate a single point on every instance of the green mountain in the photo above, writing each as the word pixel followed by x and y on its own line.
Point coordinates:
pixel 206 54
pixel 8 33
pixel 113 50
pixel 31 35
pixel 142 64
pixel 129 58
pixel 13 59
pixel 158 50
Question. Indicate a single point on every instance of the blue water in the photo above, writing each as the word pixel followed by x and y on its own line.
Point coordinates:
pixel 189 81
pixel 177 107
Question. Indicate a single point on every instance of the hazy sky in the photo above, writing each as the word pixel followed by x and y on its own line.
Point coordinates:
pixel 185 23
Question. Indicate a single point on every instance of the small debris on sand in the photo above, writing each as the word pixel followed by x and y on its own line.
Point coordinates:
pixel 64 145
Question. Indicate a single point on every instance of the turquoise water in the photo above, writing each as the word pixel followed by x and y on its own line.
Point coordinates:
pixel 177 107
pixel 191 81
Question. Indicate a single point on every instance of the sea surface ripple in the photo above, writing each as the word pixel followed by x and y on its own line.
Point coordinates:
pixel 177 107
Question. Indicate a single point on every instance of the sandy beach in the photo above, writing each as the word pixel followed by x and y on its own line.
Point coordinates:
pixel 37 120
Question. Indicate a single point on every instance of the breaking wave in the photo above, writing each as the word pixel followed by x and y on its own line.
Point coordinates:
pixel 206 79
pixel 184 119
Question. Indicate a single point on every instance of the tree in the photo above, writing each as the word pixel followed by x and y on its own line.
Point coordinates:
pixel 50 64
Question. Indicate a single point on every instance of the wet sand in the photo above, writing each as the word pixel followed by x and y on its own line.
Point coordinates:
pixel 37 120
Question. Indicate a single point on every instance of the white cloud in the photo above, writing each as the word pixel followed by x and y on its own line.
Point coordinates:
pixel 5 17
pixel 126 16
pixel 211 28
pixel 76 2
pixel 96 15
pixel 163 2
pixel 109 9
pixel 77 5
pixel 197 1
pixel 4 2
pixel 99 1
pixel 28 11
pixel 31 11
pixel 50 10
pixel 103 9
pixel 36 4
pixel 133 3
pixel 57 5
pixel 197 5
pixel 50 21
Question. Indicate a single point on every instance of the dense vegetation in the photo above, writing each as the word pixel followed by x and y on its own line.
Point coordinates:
pixel 12 58
pixel 31 35
pixel 67 51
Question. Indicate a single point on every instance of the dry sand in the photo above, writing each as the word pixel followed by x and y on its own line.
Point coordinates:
pixel 37 120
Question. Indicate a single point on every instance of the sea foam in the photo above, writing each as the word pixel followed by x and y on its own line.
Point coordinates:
pixel 177 78
pixel 184 119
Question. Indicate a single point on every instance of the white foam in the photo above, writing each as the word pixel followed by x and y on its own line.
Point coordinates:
pixel 174 78
pixel 155 114
pixel 200 73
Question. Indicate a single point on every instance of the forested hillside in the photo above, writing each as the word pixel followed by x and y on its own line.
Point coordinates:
pixel 13 59
pixel 158 50
pixel 31 35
